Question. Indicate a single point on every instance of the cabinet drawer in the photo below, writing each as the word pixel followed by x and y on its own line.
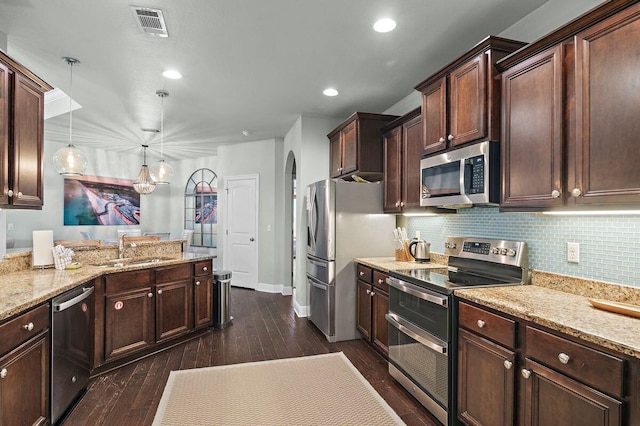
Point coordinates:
pixel 598 369
pixel 173 273
pixel 18 330
pixel 494 327
pixel 202 268
pixel 365 273
pixel 380 280
pixel 122 281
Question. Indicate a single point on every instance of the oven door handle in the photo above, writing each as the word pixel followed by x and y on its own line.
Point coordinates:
pixel 417 291
pixel 416 334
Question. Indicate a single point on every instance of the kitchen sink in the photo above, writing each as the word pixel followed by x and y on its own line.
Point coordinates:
pixel 131 261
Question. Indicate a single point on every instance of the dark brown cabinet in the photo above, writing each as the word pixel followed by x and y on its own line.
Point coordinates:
pixel 174 301
pixel 402 142
pixel 372 304
pixel 569 133
pixel 21 136
pixel 460 103
pixel 203 294
pixel 24 369
pixel 356 146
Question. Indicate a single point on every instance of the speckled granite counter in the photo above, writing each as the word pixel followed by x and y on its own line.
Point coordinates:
pixel 565 312
pixel 386 264
pixel 21 290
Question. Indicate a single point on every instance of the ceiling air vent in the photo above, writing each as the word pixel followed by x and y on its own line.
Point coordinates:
pixel 150 21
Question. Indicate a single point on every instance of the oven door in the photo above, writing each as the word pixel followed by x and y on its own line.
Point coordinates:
pixel 417 358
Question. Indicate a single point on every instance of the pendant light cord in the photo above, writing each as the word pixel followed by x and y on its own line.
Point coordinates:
pixel 162 128
pixel 71 103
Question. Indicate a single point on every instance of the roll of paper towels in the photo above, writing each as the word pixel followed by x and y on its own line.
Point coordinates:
pixel 42 245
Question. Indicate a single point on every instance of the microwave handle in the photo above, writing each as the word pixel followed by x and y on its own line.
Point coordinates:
pixel 466 176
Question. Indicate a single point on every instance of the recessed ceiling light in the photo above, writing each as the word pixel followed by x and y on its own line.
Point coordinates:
pixel 172 74
pixel 330 92
pixel 384 25
pixel 247 132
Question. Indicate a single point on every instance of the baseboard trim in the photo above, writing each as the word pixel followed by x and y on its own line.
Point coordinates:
pixel 275 288
pixel 302 311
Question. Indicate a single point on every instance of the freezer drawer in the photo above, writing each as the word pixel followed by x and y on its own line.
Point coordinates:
pixel 322 306
pixel 322 270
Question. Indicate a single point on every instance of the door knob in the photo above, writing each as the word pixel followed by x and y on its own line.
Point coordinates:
pixel 251 239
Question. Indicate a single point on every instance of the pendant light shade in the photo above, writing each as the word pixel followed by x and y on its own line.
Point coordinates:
pixel 161 172
pixel 144 184
pixel 70 161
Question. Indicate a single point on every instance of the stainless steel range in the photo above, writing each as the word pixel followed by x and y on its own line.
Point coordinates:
pixel 423 317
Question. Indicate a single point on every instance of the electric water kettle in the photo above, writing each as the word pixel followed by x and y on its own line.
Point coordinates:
pixel 420 250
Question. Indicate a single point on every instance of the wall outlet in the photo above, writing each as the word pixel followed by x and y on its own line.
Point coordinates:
pixel 573 252
pixel 10 227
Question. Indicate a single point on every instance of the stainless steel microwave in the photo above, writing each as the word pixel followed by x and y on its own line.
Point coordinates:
pixel 463 177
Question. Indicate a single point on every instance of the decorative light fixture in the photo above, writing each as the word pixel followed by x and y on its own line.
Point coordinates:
pixel 70 161
pixel 144 184
pixel 161 172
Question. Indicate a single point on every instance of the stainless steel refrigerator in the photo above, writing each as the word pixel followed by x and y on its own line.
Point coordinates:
pixel 344 221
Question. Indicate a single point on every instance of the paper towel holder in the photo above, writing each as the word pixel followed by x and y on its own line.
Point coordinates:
pixel 42 255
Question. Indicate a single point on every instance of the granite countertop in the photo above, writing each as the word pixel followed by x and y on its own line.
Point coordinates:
pixel 568 313
pixel 22 290
pixel 386 264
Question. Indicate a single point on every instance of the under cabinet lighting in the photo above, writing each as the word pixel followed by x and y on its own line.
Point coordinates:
pixel 594 213
pixel 419 214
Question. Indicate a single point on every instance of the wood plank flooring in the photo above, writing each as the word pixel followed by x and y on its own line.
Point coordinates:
pixel 264 327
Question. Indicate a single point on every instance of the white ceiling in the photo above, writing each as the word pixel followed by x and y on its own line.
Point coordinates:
pixel 247 64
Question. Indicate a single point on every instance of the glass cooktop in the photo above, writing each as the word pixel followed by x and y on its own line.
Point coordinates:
pixel 444 280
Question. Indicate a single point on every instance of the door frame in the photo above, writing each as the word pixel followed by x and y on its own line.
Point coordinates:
pixel 225 235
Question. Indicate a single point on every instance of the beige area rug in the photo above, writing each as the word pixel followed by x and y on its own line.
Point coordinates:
pixel 314 390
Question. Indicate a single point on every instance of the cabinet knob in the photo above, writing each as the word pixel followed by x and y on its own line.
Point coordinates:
pixel 555 193
pixel 575 192
pixel 3 373
pixel 372 293
pixel 450 137
pixel 441 140
pixel 159 291
pixel 380 281
pixel 368 291
pixel 9 193
pixel 525 373
pixel 19 194
pixel 28 327
pixel 564 358
pixel 401 203
pixel 361 274
pixel 508 364
pixel 149 294
pixel 197 282
pixel 481 323
pixel 397 203
pixel 205 269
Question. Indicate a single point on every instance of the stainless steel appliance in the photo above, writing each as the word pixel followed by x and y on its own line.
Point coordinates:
pixel 422 315
pixel 463 177
pixel 70 348
pixel 420 250
pixel 344 221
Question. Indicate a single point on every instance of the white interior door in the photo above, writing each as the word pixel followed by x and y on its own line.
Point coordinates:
pixel 241 249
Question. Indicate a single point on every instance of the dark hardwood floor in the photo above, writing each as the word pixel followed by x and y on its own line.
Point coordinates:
pixel 264 327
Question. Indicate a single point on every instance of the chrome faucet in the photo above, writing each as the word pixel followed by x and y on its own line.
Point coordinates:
pixel 122 246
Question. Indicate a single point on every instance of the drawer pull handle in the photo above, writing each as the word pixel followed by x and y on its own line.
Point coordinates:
pixel 380 281
pixel 481 323
pixel 508 364
pixel 3 373
pixel 525 373
pixel 361 274
pixel 28 327
pixel 149 294
pixel 564 358
pixel 197 282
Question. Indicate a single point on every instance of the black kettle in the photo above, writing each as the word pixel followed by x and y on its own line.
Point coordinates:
pixel 420 250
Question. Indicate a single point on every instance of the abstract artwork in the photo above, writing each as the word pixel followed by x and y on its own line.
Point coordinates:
pixel 206 205
pixel 95 200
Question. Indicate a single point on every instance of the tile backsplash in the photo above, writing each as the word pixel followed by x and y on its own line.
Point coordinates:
pixel 609 245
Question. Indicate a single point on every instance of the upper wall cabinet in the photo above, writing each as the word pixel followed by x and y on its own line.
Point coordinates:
pixel 460 103
pixel 21 135
pixel 356 146
pixel 570 101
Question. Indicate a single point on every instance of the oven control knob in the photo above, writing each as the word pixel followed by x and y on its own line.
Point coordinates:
pixel 511 252
pixel 495 250
pixel 503 251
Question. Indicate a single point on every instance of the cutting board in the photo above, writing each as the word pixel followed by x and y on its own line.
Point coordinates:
pixel 617 307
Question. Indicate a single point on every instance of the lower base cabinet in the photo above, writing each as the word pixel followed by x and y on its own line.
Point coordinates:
pixel 372 304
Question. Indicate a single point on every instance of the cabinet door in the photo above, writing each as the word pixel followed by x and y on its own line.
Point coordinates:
pixel 129 322
pixel 468 98
pixel 349 141
pixel 173 309
pixel 607 105
pixel 434 117
pixel 553 399
pixel 532 143
pixel 24 386
pixel 411 153
pixel 4 134
pixel 336 156
pixel 393 170
pixel 486 381
pixel 363 308
pixel 380 326
pixel 28 136
pixel 202 301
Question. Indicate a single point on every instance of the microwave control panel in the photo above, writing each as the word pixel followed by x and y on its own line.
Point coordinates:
pixel 474 175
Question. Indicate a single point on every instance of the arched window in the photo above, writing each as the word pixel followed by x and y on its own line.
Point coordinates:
pixel 201 208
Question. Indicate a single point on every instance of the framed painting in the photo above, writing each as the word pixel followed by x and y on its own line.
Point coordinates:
pixel 95 200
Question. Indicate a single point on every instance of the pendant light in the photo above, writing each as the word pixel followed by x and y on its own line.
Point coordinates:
pixel 161 172
pixel 144 184
pixel 70 161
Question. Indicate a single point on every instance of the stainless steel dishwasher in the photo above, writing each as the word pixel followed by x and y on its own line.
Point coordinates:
pixel 70 348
